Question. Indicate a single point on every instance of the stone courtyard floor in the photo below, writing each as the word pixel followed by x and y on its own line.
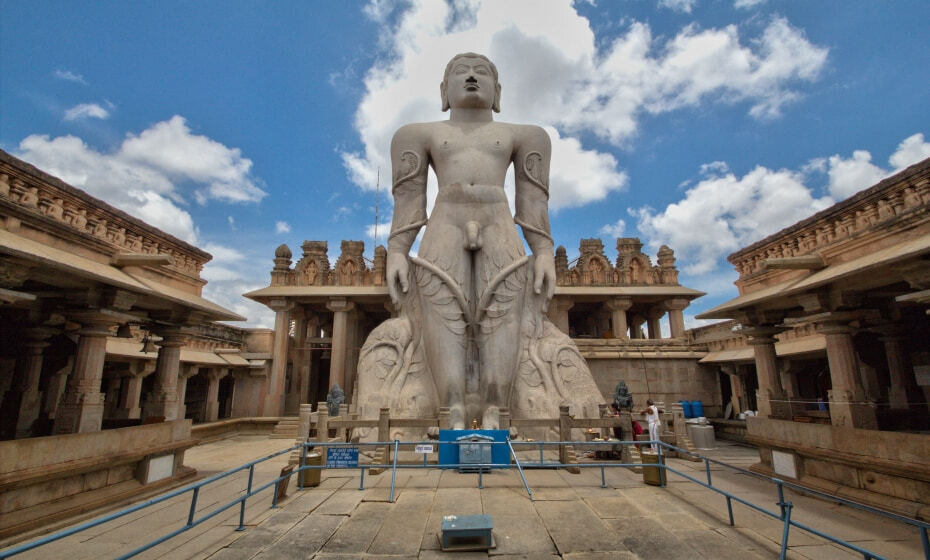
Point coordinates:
pixel 572 517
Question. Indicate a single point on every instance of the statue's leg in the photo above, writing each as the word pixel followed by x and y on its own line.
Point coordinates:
pixel 444 324
pixel 499 327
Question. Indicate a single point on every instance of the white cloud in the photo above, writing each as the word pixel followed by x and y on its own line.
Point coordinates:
pixel 554 74
pixel 615 229
pixel 86 111
pixel 170 147
pixel 683 6
pixel 383 230
pixel 724 212
pixel 282 227
pixel 849 176
pixel 146 175
pixel 232 222
pixel 229 276
pixel 69 76
pixel 745 4
pixel 911 150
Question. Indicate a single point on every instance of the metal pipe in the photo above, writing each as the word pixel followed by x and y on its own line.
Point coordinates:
pixel 520 469
pixel 784 535
pixel 190 515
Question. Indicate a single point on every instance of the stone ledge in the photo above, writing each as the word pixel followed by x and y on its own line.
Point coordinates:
pixel 213 431
pixel 28 477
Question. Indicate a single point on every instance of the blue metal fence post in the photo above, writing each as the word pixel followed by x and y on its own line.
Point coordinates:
pixel 660 465
pixel 248 491
pixel 190 515
pixel 361 479
pixel 707 468
pixel 480 478
pixel 393 472
pixel 925 542
pixel 730 509
pixel 603 478
pixel 516 461
pixel 784 536
pixel 540 454
pixel 303 457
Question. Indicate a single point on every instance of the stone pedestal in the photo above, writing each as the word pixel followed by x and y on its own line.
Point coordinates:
pixel 162 401
pixel 274 396
pixel 618 308
pixel 848 406
pixel 81 408
pixel 770 397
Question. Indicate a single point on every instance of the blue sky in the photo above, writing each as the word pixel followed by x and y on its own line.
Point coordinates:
pixel 701 124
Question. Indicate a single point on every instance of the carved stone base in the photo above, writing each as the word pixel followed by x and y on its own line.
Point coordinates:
pixel 393 373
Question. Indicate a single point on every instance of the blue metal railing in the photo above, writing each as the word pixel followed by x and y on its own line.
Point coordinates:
pixel 784 514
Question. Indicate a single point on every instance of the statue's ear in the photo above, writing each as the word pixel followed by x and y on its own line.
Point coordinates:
pixel 497 99
pixel 443 96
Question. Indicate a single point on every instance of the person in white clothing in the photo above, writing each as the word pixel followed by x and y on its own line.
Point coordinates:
pixel 652 413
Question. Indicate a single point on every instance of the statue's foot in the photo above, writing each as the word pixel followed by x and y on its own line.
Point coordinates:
pixel 457 417
pixel 491 419
pixel 513 432
pixel 432 432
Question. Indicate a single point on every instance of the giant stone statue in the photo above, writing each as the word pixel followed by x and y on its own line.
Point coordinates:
pixel 471 332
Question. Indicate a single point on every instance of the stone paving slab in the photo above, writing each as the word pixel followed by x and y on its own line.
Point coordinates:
pixel 572 517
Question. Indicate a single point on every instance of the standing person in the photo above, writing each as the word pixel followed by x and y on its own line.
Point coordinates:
pixel 652 413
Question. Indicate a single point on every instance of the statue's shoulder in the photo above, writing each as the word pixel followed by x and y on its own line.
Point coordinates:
pixel 530 135
pixel 416 131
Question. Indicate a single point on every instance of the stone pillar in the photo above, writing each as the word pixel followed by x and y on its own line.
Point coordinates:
pixel 848 406
pixel 113 382
pixel 653 325
pixel 275 393
pixel 128 406
pixel 162 401
pixel 558 313
pixel 81 407
pixel 187 371
pixel 56 387
pixel 298 389
pixel 337 361
pixel 636 327
pixel 212 407
pixel 676 317
pixel 736 388
pixel 30 399
pixel 770 397
pixel 618 308
pixel 903 389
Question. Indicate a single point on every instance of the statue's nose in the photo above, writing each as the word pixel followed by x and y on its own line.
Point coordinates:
pixel 471 80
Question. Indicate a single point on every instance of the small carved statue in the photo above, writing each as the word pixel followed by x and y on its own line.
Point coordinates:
pixel 334 398
pixel 622 397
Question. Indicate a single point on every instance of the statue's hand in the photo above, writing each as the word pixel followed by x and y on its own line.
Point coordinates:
pixel 397 273
pixel 544 273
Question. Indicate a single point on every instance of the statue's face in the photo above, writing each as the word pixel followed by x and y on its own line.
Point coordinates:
pixel 471 84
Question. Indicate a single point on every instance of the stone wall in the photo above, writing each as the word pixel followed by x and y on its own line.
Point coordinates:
pixel 669 380
pixel 885 469
pixel 49 478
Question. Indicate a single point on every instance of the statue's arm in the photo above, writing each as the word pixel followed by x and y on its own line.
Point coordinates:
pixel 409 170
pixel 531 173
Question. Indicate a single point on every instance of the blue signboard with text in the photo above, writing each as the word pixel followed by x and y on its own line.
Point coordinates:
pixel 342 457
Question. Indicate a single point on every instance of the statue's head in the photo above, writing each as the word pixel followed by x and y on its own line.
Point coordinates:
pixel 470 81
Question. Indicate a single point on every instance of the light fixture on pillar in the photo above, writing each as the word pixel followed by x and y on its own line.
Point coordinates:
pixel 124 331
pixel 148 346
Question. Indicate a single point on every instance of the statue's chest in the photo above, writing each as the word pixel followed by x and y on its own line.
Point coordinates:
pixel 487 146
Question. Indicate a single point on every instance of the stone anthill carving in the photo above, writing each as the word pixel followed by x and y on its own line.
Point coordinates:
pixel 622 397
pixel 471 332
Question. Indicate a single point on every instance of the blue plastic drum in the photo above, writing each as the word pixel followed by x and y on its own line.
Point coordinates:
pixel 686 406
pixel 697 409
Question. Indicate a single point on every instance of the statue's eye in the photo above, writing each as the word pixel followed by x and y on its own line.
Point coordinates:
pixel 483 70
pixel 461 69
